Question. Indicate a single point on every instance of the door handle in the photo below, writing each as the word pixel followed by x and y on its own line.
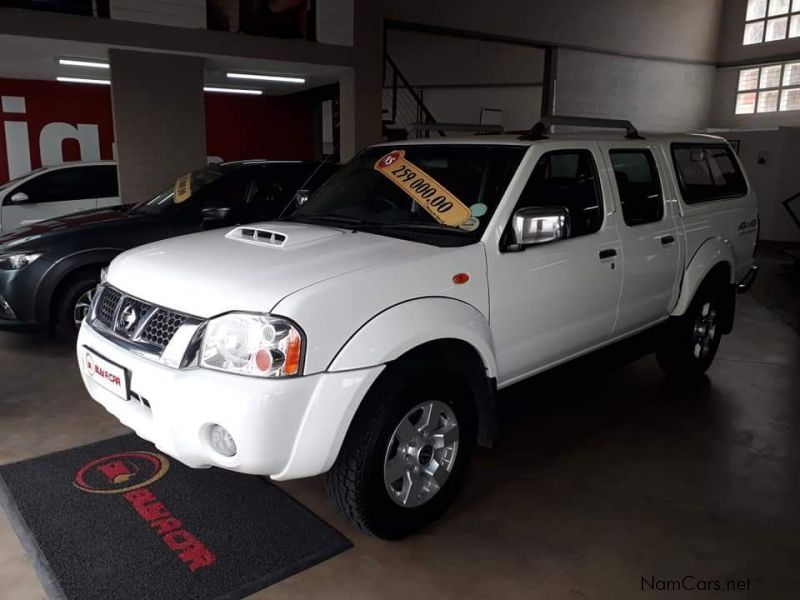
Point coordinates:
pixel 666 240
pixel 608 253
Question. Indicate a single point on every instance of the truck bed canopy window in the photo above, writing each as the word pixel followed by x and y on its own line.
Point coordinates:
pixel 707 172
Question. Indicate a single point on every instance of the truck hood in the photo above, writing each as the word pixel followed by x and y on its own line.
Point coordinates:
pixel 251 267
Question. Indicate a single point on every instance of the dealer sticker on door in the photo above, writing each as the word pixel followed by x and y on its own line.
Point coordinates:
pixel 105 373
pixel 431 195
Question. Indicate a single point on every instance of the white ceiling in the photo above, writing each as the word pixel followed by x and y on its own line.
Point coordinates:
pixel 37 58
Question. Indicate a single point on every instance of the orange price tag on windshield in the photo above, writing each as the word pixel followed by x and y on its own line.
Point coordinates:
pixel 183 188
pixel 431 195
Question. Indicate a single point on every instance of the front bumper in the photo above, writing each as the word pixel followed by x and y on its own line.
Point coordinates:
pixel 284 428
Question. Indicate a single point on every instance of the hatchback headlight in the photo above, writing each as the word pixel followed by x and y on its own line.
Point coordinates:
pixel 17 261
pixel 252 344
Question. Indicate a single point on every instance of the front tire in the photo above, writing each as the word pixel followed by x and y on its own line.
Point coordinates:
pixel 690 342
pixel 72 305
pixel 406 453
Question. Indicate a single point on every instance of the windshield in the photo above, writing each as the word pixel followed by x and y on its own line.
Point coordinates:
pixel 429 190
pixel 186 188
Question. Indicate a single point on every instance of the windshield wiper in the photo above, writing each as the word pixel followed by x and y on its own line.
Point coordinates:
pixel 418 225
pixel 327 219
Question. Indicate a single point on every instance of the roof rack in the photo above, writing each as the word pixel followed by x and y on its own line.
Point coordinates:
pixel 538 131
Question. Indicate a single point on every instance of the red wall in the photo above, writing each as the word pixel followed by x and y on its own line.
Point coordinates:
pixel 237 127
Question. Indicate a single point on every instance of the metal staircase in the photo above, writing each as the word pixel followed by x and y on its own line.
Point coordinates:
pixel 403 108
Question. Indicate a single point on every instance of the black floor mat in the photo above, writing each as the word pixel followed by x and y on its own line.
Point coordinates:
pixel 117 520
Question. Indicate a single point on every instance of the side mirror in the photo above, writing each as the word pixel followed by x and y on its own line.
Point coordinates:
pixel 20 198
pixel 302 196
pixel 216 214
pixel 539 225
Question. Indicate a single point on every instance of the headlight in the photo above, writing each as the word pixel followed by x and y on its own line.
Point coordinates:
pixel 15 262
pixel 252 344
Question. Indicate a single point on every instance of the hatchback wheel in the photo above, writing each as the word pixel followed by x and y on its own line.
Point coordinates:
pixel 73 303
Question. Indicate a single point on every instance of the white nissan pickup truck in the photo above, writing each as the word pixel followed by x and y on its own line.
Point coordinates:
pixel 366 335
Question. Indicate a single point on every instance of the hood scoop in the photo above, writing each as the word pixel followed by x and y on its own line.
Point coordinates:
pixel 265 237
pixel 283 235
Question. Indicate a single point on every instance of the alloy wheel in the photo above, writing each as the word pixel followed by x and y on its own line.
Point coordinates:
pixel 705 330
pixel 421 453
pixel 82 306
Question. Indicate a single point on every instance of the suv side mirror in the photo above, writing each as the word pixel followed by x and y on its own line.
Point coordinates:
pixel 20 198
pixel 216 214
pixel 539 225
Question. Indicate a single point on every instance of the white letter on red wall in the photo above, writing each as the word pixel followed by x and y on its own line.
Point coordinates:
pixel 53 135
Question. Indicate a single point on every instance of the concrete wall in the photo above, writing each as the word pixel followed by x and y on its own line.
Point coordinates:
pixel 460 76
pixel 678 29
pixel 775 179
pixel 655 95
pixel 159 119
pixel 651 62
pixel 177 13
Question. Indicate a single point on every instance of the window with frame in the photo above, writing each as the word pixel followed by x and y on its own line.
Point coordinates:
pixel 567 178
pixel 771 20
pixel 707 172
pixel 64 185
pixel 767 89
pixel 638 185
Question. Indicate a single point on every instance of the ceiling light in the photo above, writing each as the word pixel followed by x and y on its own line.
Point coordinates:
pixel 227 90
pixel 280 78
pixel 72 62
pixel 84 80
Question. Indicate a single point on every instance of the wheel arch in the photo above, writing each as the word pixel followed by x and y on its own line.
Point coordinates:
pixel 714 258
pixel 453 333
pixel 62 272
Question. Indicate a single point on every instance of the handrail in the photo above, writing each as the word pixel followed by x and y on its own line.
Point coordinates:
pixel 421 105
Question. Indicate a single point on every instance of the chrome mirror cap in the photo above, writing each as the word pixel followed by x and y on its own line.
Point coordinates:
pixel 539 225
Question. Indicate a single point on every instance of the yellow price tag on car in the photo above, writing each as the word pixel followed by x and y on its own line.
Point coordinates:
pixel 431 195
pixel 183 188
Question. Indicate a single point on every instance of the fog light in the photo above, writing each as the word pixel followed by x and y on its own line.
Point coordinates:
pixel 221 440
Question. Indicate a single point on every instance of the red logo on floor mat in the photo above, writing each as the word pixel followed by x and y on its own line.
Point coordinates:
pixel 129 473
pixel 120 473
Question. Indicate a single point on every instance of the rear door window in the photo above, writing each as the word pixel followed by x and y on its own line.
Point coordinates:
pixel 638 185
pixel 707 172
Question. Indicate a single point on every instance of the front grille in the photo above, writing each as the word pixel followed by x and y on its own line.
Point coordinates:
pixel 161 327
pixel 143 324
pixel 107 306
pixel 137 310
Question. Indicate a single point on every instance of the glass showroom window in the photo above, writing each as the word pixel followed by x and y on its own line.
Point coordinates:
pixel 771 20
pixel 769 89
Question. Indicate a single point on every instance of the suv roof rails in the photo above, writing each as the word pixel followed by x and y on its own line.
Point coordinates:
pixel 538 131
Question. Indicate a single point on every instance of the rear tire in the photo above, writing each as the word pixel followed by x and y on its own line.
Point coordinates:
pixel 690 342
pixel 394 475
pixel 72 304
